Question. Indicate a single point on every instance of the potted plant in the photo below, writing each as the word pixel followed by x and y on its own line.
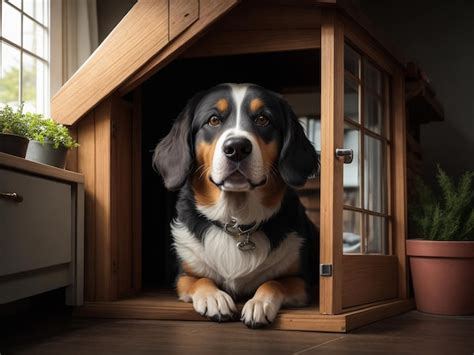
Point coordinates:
pixel 13 131
pixel 442 260
pixel 49 141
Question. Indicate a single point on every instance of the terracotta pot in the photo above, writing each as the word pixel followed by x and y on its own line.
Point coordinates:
pixel 443 276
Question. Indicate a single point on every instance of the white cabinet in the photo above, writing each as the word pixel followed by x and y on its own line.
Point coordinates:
pixel 41 230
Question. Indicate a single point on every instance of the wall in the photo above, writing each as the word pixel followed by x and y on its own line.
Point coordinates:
pixel 439 35
pixel 109 13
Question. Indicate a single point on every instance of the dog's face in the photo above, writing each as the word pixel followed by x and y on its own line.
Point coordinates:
pixel 235 137
pixel 239 131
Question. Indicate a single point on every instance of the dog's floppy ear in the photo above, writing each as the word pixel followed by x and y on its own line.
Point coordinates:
pixel 174 157
pixel 298 158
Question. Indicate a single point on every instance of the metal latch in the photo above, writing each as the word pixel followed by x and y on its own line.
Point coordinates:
pixel 325 269
pixel 347 154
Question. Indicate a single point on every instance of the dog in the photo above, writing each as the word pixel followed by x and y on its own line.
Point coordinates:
pixel 236 152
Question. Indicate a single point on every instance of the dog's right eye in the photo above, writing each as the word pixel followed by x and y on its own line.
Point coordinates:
pixel 214 121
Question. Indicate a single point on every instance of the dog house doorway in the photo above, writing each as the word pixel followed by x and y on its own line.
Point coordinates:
pixel 294 74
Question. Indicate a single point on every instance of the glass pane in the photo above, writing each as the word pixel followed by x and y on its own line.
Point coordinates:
pixel 372 78
pixel 352 171
pixel 373 113
pixel 351 100
pixel 36 9
pixel 376 235
pixel 34 84
pixel 9 75
pixel 11 23
pixel 306 106
pixel 374 175
pixel 351 61
pixel 351 231
pixel 34 37
pixel 17 3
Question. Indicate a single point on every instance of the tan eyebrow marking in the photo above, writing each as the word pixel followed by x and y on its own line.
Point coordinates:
pixel 222 105
pixel 256 104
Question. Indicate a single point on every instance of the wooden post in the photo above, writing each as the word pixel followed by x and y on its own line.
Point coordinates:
pixel 105 159
pixel 332 127
pixel 399 219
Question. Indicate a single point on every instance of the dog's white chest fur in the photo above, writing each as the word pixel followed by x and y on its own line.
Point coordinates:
pixel 239 272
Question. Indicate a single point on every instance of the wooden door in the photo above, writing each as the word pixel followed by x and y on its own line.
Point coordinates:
pixel 363 202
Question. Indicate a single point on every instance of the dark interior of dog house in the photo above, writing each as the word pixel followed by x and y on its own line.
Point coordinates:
pixel 295 75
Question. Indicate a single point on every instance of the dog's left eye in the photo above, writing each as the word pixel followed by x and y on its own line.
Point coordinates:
pixel 214 121
pixel 262 120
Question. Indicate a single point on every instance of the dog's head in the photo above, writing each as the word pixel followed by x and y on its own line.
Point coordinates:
pixel 235 137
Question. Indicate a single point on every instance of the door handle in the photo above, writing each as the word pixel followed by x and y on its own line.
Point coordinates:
pixel 12 196
pixel 346 154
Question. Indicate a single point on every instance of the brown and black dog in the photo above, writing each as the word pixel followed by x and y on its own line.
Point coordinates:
pixel 236 152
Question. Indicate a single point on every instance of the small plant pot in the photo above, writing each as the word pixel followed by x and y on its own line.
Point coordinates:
pixel 13 144
pixel 443 276
pixel 45 153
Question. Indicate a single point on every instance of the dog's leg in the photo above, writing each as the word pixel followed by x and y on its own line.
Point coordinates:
pixel 207 299
pixel 269 297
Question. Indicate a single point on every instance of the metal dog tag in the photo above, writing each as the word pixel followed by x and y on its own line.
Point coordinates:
pixel 246 245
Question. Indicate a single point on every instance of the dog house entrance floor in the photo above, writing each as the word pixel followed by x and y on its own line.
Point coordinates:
pixel 163 304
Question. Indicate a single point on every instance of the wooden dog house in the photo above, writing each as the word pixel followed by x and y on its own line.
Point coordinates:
pixel 318 54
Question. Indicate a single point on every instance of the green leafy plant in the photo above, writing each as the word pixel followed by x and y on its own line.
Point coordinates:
pixel 13 122
pixel 46 130
pixel 448 215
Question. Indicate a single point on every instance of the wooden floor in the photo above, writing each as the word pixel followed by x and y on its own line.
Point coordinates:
pixel 57 332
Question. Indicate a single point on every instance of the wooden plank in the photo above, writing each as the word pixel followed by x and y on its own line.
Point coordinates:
pixel 137 38
pixel 332 122
pixel 105 244
pixel 137 189
pixel 220 43
pixel 399 192
pixel 165 306
pixel 75 292
pixel 388 163
pixel 121 193
pixel 354 14
pixel 259 27
pixel 86 165
pixel 372 314
pixel 39 169
pixel 364 42
pixel 71 162
pixel 272 15
pixel 368 278
pixel 182 14
pixel 209 12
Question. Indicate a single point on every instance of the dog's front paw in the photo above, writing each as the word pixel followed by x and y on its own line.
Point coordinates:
pixel 259 313
pixel 216 305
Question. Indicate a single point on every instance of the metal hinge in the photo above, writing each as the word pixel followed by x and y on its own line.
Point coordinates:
pixel 325 269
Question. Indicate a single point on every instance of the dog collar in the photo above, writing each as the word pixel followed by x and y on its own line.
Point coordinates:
pixel 237 230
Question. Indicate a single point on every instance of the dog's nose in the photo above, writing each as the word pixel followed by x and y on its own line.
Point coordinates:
pixel 237 149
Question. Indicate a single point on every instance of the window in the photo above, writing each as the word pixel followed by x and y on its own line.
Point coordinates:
pixel 366 210
pixel 24 54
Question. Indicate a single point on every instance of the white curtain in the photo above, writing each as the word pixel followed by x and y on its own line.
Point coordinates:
pixel 80 33
pixel 74 36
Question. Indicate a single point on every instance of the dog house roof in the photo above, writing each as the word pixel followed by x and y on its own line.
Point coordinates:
pixel 155 32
